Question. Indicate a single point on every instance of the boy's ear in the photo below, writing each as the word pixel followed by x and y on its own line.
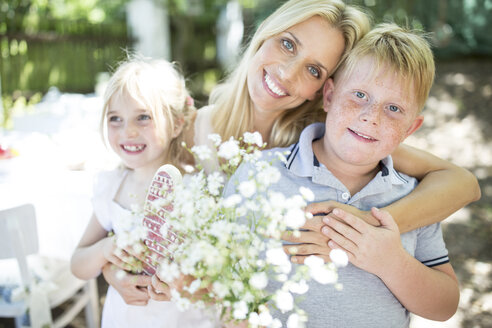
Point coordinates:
pixel 417 123
pixel 328 89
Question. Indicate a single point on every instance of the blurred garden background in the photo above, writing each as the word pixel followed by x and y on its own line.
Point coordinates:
pixel 56 54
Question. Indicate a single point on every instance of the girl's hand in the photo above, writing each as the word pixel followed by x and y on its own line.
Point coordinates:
pixel 132 288
pixel 125 259
pixel 369 248
pixel 159 290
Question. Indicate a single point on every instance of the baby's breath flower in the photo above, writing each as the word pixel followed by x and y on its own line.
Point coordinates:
pixel 294 321
pixel 306 193
pixel 295 218
pixel 240 310
pixel 232 201
pixel 215 138
pixel 339 257
pixel 253 138
pixel 247 188
pixel 203 152
pixel 229 149
pixel 258 280
pixel 300 287
pixel 284 301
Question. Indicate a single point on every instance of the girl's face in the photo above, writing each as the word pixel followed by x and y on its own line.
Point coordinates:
pixel 291 67
pixel 132 133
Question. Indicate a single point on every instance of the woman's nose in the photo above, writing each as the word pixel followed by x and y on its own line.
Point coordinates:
pixel 290 71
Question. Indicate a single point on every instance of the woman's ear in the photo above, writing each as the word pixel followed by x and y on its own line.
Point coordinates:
pixel 328 89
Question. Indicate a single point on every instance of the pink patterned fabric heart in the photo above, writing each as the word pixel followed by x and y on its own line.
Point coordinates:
pixel 156 208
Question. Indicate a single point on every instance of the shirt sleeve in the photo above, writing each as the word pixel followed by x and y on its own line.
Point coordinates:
pixel 431 249
pixel 102 197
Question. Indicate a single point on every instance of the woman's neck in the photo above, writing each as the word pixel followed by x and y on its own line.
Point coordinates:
pixel 263 123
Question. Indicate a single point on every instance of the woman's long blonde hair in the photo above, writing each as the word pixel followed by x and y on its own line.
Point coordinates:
pixel 233 108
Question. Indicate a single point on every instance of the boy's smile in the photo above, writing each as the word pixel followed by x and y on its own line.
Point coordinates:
pixel 369 113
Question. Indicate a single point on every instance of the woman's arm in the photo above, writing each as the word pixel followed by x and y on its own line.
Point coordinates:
pixel 444 188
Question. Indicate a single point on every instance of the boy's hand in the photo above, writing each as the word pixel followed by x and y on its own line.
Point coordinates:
pixel 369 248
pixel 132 288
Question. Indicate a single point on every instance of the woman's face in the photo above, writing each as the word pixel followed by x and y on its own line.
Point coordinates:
pixel 290 68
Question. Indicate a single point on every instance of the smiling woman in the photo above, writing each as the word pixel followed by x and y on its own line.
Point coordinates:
pixel 290 68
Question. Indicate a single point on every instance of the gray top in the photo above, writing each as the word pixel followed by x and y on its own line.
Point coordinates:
pixel 364 301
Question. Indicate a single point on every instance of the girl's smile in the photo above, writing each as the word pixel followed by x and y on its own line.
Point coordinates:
pixel 133 135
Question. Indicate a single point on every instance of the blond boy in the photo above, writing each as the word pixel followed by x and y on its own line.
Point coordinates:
pixel 373 103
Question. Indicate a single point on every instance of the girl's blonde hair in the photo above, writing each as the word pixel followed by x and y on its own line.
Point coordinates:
pixel 160 87
pixel 233 108
pixel 406 51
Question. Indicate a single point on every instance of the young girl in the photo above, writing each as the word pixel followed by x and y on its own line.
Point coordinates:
pixel 146 107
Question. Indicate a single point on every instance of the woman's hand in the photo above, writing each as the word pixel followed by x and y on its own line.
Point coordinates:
pixel 326 207
pixel 131 287
pixel 310 241
pixel 313 241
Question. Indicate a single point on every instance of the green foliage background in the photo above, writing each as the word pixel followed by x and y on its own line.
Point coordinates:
pixel 66 43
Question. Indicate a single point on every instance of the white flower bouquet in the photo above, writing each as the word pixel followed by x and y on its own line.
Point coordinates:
pixel 231 247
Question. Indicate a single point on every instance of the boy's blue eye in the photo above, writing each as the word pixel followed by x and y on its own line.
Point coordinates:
pixel 394 108
pixel 360 95
pixel 314 71
pixel 287 45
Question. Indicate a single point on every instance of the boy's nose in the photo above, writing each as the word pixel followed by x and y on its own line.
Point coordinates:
pixel 370 114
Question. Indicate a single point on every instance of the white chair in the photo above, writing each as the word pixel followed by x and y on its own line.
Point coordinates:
pixel 18 239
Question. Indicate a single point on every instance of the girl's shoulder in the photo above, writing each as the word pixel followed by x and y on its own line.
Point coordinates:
pixel 106 181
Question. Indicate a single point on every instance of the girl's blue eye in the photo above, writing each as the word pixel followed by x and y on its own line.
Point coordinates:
pixel 394 108
pixel 114 119
pixel 360 95
pixel 314 71
pixel 288 45
pixel 144 117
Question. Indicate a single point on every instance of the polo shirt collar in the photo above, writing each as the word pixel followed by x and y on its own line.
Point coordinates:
pixel 303 163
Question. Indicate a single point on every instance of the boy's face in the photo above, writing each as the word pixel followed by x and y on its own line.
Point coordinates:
pixel 369 114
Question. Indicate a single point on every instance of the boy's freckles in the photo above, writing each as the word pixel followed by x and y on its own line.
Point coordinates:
pixel 368 114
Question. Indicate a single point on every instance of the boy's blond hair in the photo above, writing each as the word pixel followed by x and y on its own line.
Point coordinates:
pixel 406 51
pixel 233 109
pixel 160 87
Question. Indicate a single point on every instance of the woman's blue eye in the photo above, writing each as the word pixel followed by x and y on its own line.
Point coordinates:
pixel 394 108
pixel 314 71
pixel 287 45
pixel 359 94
